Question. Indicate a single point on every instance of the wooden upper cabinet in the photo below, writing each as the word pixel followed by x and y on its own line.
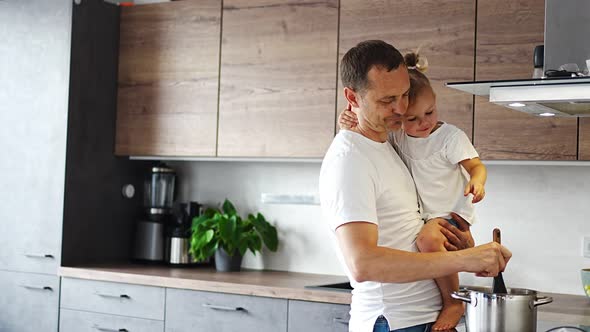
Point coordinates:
pixel 584 139
pixel 168 79
pixel 507 33
pixel 444 32
pixel 278 78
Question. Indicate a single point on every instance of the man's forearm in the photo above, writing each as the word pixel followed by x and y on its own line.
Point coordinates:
pixel 384 264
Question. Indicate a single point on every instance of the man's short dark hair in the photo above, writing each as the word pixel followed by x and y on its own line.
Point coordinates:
pixel 359 60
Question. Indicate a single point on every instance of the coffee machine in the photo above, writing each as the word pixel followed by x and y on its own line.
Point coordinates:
pixel 178 234
pixel 158 194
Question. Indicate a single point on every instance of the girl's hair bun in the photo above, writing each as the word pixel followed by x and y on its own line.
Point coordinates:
pixel 415 61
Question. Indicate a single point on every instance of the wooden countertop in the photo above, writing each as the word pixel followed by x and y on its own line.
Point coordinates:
pixel 569 309
pixel 566 308
pixel 277 284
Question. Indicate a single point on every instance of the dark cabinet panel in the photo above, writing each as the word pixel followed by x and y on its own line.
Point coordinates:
pixel 507 32
pixel 442 30
pixel 98 221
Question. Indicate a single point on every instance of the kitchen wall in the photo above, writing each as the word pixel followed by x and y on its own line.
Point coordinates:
pixel 542 210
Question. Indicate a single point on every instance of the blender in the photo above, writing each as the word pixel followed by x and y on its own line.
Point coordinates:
pixel 158 195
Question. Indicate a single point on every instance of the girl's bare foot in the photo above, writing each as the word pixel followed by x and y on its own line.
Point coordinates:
pixel 449 316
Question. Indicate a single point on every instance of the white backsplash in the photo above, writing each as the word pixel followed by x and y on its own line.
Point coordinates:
pixel 542 212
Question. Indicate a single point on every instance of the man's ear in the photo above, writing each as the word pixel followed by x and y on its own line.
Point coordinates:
pixel 351 96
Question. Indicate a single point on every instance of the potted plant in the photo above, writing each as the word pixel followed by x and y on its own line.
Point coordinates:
pixel 226 235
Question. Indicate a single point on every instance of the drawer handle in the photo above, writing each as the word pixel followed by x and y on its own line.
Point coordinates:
pixel 39 256
pixel 341 321
pixel 44 288
pixel 104 329
pixel 111 296
pixel 220 307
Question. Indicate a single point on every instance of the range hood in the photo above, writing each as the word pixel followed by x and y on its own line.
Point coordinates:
pixel 567 29
pixel 566 97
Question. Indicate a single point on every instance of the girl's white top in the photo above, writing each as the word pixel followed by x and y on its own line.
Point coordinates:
pixel 434 164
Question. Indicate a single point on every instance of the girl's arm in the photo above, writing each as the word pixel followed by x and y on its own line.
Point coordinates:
pixel 479 174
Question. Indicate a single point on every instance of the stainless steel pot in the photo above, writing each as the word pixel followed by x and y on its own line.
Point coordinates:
pixel 489 312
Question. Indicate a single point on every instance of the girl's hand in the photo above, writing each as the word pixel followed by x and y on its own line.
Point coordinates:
pixel 475 188
pixel 347 119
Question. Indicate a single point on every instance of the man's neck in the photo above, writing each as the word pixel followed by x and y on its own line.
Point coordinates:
pixel 371 134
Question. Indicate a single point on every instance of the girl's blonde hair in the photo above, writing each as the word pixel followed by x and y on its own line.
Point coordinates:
pixel 417 65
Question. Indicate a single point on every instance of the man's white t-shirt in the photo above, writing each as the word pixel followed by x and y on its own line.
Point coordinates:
pixel 364 180
pixel 434 164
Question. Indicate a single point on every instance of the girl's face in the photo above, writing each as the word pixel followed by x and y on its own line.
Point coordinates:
pixel 421 118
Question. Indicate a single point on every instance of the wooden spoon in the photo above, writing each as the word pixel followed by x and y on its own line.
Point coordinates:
pixel 498 286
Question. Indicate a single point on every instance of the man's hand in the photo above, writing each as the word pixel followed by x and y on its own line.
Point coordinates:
pixel 487 260
pixel 458 237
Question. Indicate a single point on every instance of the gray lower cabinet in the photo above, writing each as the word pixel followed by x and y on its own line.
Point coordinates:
pixel 113 298
pixel 100 306
pixel 82 321
pixel 194 311
pixel 321 317
pixel 29 302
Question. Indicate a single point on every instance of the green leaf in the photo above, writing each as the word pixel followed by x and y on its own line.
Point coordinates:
pixel 198 221
pixel 208 236
pixel 271 239
pixel 202 240
pixel 229 208
pixel 255 243
pixel 210 249
pixel 227 228
pixel 267 231
pixel 258 223
pixel 242 247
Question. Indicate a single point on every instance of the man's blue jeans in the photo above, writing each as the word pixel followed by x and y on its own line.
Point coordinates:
pixel 381 325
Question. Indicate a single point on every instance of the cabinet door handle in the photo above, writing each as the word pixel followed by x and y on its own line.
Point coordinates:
pixel 104 329
pixel 43 288
pixel 112 296
pixel 341 321
pixel 32 255
pixel 220 307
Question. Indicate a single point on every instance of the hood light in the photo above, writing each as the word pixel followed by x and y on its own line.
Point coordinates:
pixel 547 114
pixel 517 105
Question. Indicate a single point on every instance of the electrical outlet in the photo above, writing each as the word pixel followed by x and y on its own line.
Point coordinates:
pixel 586 248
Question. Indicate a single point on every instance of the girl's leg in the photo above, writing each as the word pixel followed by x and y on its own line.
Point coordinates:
pixel 431 239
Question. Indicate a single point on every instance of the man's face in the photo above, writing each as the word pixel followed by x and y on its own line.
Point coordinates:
pixel 385 99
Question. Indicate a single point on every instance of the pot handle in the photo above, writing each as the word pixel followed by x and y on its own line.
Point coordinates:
pixel 541 300
pixel 461 295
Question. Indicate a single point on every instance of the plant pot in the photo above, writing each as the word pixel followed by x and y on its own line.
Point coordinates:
pixel 226 263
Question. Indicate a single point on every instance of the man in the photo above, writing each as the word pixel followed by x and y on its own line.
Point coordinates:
pixel 370 202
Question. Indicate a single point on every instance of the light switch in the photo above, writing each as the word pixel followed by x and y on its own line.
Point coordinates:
pixel 304 199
